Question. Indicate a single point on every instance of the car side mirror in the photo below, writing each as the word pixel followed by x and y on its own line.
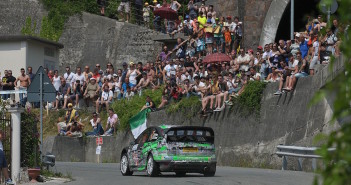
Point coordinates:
pixel 154 137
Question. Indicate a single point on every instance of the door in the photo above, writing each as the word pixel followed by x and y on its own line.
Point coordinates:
pixel 137 154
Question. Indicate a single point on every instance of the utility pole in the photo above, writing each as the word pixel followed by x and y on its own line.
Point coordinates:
pixel 292 14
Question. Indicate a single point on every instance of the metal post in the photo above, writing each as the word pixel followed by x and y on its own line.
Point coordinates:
pixel 314 164
pixel 329 12
pixel 292 14
pixel 299 164
pixel 41 115
pixel 285 163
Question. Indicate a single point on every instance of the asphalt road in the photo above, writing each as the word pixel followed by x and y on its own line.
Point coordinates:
pixel 92 174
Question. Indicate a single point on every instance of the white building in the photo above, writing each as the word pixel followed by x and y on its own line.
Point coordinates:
pixel 18 52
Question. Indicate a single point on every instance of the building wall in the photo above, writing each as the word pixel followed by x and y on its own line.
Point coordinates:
pixel 12 57
pixel 38 57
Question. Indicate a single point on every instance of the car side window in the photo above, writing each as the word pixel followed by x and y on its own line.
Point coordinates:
pixel 143 138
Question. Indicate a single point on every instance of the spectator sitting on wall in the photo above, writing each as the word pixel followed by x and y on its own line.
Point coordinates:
pixel 75 129
pixel 149 104
pixel 102 5
pixel 303 71
pixel 63 94
pixel 111 124
pixel 105 99
pixel 96 124
pixel 91 92
pixel 71 114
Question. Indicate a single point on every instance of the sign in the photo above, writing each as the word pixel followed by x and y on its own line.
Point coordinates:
pixel 99 141
pixel 325 9
pixel 98 150
pixel 48 90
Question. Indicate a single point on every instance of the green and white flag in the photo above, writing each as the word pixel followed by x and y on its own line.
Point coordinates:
pixel 138 122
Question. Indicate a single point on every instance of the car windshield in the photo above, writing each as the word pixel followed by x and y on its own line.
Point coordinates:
pixel 190 135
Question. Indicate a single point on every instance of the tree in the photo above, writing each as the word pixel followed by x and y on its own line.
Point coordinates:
pixel 338 163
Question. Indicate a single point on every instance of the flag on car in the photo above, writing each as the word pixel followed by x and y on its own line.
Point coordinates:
pixel 138 122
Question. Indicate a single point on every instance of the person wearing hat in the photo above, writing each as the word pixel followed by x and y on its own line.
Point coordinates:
pixel 91 92
pixel 71 114
pixel 209 36
pixel 218 35
pixel 132 75
pixel 188 26
pixel 146 15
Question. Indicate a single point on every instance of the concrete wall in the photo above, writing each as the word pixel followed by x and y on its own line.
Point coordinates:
pixel 13 56
pixel 91 39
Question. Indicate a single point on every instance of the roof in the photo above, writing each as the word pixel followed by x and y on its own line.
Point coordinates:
pixel 29 38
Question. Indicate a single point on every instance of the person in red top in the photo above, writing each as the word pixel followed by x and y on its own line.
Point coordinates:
pixel 51 74
pixel 96 74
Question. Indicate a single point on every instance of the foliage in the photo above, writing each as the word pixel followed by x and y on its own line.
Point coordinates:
pixel 187 106
pixel 126 109
pixel 251 96
pixel 338 163
pixel 30 154
pixel 29 27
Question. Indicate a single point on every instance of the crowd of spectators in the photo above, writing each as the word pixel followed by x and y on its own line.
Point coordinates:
pixel 180 72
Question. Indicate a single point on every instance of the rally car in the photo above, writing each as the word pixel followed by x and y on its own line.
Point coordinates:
pixel 179 149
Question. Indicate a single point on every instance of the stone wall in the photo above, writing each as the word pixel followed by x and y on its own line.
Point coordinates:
pixel 13 15
pixel 91 39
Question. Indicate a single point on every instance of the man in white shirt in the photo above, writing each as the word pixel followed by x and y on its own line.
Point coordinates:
pixel 243 60
pixel 68 76
pixel 169 70
pixel 111 122
pixel 78 76
pixel 105 99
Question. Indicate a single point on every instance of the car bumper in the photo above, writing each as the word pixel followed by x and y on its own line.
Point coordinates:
pixel 187 167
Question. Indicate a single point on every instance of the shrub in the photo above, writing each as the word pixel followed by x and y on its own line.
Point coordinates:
pixel 30 155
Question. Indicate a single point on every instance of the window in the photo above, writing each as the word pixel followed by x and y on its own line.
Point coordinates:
pixel 49 52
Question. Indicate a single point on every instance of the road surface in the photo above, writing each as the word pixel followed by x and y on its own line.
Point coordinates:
pixel 92 174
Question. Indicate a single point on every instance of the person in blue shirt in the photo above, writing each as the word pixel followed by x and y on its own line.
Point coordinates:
pixel 303 46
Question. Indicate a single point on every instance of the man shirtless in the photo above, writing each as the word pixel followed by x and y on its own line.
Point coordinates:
pixel 24 83
pixel 143 83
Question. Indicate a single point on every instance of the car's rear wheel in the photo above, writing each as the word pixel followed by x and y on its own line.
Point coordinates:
pixel 152 169
pixel 180 174
pixel 210 172
pixel 124 165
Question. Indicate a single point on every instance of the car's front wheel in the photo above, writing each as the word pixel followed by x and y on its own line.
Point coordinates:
pixel 152 167
pixel 125 170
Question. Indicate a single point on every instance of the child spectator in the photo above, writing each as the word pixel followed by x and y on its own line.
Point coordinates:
pixel 227 39
pixel 104 99
pixel 146 15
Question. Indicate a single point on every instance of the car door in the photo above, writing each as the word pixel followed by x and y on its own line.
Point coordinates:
pixel 137 155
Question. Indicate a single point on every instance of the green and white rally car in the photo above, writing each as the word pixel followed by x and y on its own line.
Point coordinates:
pixel 179 149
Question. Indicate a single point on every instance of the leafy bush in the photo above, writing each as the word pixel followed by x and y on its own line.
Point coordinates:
pixel 251 97
pixel 30 155
pixel 126 109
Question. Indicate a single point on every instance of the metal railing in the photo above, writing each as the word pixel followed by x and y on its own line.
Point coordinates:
pixel 300 153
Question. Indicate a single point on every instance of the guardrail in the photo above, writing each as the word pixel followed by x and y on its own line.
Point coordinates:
pixel 299 152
